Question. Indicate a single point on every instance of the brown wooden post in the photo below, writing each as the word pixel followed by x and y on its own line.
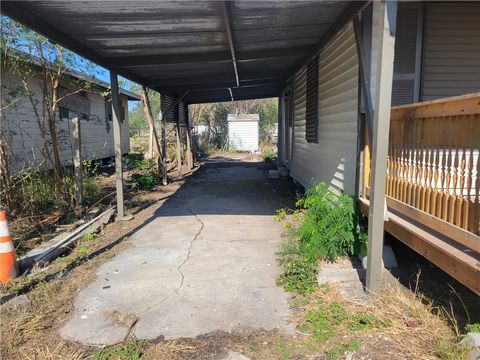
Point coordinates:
pixel 77 161
pixel 153 138
pixel 384 36
pixel 155 144
pixel 117 139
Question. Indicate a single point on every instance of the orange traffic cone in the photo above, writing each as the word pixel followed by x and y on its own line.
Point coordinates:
pixel 8 262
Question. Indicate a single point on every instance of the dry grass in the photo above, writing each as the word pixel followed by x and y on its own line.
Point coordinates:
pixel 169 351
pixel 414 327
pixel 31 332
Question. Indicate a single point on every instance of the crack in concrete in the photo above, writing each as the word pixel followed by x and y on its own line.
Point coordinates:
pixel 197 235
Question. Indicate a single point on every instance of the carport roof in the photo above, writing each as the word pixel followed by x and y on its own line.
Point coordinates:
pixel 203 47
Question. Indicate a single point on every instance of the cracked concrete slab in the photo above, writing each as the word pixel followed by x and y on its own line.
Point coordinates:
pixel 205 261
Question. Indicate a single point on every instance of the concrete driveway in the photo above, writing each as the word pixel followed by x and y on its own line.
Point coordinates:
pixel 205 261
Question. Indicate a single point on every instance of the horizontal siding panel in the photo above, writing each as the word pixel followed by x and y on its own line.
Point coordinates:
pixel 332 159
pixel 452 50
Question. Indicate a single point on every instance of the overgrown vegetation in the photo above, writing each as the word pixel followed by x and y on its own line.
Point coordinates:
pixel 328 227
pixel 325 226
pixel 269 152
pixel 145 175
pixel 34 191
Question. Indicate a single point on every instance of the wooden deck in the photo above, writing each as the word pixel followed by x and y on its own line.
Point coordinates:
pixel 433 183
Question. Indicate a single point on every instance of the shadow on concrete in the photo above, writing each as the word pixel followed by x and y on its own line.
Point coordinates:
pixel 230 188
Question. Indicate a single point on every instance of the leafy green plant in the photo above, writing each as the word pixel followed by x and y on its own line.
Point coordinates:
pixel 328 228
pixel 131 350
pixel 448 350
pixel 322 323
pixel 338 350
pixel 144 181
pixel 473 327
pixel 331 226
pixel 269 154
pixel 366 321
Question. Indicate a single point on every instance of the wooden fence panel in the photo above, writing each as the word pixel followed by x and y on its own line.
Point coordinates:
pixel 434 161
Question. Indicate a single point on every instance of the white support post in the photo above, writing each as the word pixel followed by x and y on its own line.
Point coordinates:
pixel 163 123
pixel 189 148
pixel 179 147
pixel 384 36
pixel 117 139
pixel 77 161
pixel 280 131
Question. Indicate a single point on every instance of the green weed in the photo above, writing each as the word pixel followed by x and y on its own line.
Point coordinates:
pixel 448 350
pixel 131 350
pixel 338 350
pixel 322 323
pixel 473 327
pixel 144 181
pixel 366 322
pixel 331 226
pixel 328 228
pixel 269 155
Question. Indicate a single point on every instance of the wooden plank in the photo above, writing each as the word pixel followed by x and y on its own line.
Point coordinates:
pixel 459 264
pixel 458 105
pixel 456 233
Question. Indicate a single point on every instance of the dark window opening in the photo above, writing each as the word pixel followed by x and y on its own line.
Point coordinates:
pixel 311 126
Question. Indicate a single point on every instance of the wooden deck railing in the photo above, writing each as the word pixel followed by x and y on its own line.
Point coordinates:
pixel 433 165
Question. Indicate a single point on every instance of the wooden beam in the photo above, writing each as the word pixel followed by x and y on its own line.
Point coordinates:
pixel 117 139
pixel 464 237
pixel 384 35
pixel 468 104
pixel 456 233
pixel 231 43
pixel 455 261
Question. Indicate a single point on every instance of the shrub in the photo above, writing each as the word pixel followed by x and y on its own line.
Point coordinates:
pixel 269 153
pixel 329 228
pixel 144 181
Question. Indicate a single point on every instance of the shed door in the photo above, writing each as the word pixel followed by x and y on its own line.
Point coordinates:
pixel 452 50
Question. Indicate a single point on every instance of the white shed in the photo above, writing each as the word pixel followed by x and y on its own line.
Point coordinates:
pixel 243 132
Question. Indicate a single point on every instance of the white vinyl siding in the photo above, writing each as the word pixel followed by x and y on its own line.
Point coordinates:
pixel 243 135
pixel 333 159
pixel 22 133
pixel 451 50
